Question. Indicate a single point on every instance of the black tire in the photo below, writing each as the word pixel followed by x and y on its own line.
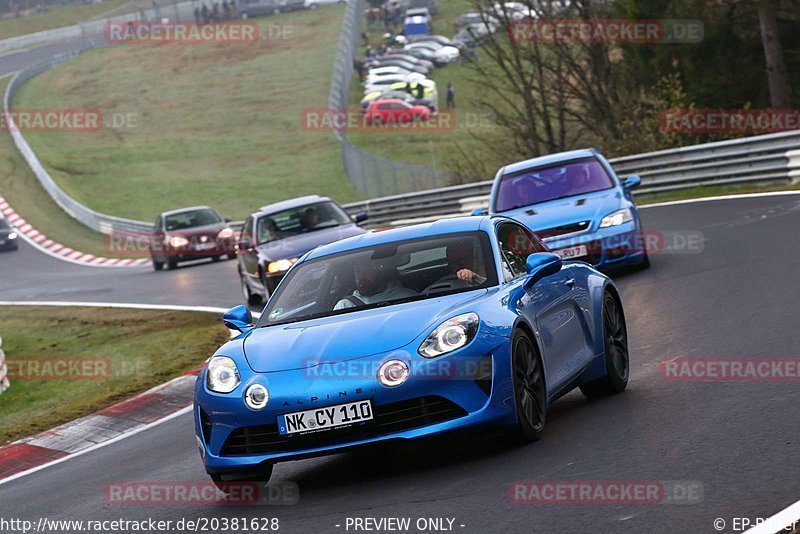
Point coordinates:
pixel 615 341
pixel 529 388
pixel 215 258
pixel 225 484
pixel 252 299
pixel 157 265
pixel 172 264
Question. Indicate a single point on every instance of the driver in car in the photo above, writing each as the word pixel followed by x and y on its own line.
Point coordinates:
pixel 373 284
pixel 461 266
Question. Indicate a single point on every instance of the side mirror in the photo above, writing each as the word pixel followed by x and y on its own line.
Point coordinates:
pixel 227 219
pixel 238 318
pixel 541 264
pixel 634 180
pixel 360 217
pixel 479 212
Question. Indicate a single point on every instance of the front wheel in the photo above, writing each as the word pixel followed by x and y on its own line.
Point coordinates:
pixel 615 342
pixel 529 388
pixel 228 483
pixel 249 297
pixel 157 265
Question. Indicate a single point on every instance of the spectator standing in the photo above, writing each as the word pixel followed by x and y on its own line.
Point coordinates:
pixel 215 11
pixel 197 18
pixel 204 13
pixel 226 10
pixel 359 66
pixel 451 96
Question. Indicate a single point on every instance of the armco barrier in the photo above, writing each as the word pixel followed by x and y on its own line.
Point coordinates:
pixel 759 159
pixel 4 383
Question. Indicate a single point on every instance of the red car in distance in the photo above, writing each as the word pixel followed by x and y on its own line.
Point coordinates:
pixel 395 111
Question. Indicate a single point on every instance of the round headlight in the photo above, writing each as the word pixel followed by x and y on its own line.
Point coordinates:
pixel 393 373
pixel 178 241
pixel 256 397
pixel 222 375
pixel 452 334
pixel 225 233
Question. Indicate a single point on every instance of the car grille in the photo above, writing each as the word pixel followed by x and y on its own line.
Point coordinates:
pixel 565 229
pixel 388 418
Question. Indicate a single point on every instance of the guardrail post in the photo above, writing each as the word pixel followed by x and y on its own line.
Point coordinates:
pixel 793 165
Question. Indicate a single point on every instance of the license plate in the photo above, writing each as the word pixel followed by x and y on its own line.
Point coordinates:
pixel 325 418
pixel 206 246
pixel 573 252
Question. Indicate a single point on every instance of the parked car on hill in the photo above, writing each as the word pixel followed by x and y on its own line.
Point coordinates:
pixel 402 95
pixel 395 111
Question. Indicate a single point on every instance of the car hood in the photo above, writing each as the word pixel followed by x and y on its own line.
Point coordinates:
pixel 350 335
pixel 297 245
pixel 589 207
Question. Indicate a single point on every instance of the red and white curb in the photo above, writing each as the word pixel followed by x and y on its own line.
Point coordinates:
pixel 57 250
pixel 111 424
pixel 117 422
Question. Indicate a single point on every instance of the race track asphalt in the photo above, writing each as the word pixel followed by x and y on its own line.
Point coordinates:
pixel 736 295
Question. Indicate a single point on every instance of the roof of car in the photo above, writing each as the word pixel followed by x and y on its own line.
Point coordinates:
pixel 292 203
pixel 442 226
pixel 182 210
pixel 550 159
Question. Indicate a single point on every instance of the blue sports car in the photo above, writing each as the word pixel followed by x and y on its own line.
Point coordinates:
pixel 408 333
pixel 577 204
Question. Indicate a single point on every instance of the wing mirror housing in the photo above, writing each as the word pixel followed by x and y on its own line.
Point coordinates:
pixel 360 217
pixel 634 180
pixel 238 318
pixel 479 212
pixel 540 265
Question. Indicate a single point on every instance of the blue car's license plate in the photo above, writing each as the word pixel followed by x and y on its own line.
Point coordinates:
pixel 325 418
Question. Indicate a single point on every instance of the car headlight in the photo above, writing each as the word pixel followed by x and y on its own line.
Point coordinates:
pixel 280 265
pixel 178 241
pixel 618 217
pixel 225 233
pixel 450 335
pixel 222 375
pixel 12 235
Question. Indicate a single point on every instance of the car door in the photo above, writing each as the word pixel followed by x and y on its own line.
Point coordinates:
pixel 248 255
pixel 550 305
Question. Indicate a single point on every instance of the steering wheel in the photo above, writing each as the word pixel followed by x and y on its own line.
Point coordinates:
pixel 450 281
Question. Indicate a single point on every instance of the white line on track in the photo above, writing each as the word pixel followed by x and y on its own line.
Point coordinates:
pixel 778 522
pixel 720 197
pixel 148 426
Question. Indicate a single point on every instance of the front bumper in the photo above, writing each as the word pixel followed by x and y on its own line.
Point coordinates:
pixel 615 246
pixel 471 386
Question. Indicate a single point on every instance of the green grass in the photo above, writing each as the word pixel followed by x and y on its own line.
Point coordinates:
pixel 141 351
pixel 57 17
pixel 215 124
pixel 24 193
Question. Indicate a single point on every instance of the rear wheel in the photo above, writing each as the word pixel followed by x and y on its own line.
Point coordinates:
pixel 228 483
pixel 529 387
pixel 615 341
pixel 215 258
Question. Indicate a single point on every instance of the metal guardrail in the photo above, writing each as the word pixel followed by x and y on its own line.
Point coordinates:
pixel 758 159
pixel 4 383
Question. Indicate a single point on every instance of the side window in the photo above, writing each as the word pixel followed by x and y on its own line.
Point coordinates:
pixel 247 230
pixel 516 244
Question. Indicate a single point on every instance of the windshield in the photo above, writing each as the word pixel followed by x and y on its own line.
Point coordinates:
pixel 383 275
pixel 3 224
pixel 190 219
pixel 308 218
pixel 577 177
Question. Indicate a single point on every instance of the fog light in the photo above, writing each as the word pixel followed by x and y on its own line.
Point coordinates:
pixel 256 397
pixel 393 373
